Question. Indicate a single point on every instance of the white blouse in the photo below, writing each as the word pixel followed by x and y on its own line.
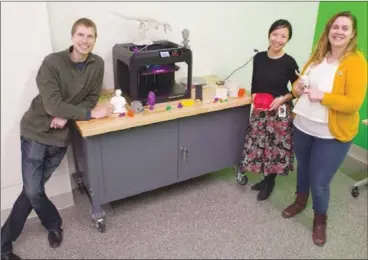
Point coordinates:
pixel 312 117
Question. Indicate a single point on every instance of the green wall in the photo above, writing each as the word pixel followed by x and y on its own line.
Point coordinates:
pixel 359 9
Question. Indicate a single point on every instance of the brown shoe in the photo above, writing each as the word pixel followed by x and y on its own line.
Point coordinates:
pixel 319 229
pixel 298 206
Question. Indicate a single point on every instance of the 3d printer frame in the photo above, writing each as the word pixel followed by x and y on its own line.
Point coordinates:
pixel 131 63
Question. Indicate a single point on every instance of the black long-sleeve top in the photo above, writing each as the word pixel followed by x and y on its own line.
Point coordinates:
pixel 273 75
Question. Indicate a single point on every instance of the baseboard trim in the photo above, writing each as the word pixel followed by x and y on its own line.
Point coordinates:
pixel 359 153
pixel 61 201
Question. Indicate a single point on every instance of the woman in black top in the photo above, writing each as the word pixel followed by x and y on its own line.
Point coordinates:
pixel 268 145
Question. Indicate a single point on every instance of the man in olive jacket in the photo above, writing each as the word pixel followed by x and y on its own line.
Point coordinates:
pixel 69 84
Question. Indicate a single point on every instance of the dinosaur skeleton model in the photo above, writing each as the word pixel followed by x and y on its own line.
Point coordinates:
pixel 146 24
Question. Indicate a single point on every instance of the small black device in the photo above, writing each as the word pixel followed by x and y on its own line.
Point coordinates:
pixel 199 92
pixel 139 70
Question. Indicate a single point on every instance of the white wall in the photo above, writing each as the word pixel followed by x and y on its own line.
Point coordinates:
pixel 223 35
pixel 25 40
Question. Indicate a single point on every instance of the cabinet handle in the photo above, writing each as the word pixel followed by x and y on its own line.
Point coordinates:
pixel 185 153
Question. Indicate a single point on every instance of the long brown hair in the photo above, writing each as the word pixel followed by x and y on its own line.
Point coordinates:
pixel 324 45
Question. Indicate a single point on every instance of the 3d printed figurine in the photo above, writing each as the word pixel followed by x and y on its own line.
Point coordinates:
pixel 151 100
pixel 241 92
pixel 305 81
pixel 130 113
pixel 137 106
pixel 185 42
pixel 118 102
pixel 187 102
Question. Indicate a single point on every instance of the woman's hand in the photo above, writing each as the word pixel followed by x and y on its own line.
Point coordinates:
pixel 314 94
pixel 277 102
pixel 299 85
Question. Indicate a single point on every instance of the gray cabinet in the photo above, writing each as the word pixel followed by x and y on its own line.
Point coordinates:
pixel 210 142
pixel 139 159
pixel 128 162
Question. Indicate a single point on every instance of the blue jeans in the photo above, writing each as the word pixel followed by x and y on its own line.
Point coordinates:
pixel 39 161
pixel 318 160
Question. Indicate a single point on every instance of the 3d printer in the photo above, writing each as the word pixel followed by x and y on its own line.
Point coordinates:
pixel 141 69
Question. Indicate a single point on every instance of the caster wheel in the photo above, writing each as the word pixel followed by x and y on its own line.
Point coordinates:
pixel 241 179
pixel 355 192
pixel 101 226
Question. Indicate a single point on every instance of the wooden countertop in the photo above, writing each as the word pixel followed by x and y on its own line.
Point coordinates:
pixel 365 121
pixel 160 114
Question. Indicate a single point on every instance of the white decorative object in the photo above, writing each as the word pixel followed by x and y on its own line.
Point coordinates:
pixel 233 88
pixel 233 92
pixel 221 93
pixel 146 24
pixel 118 102
pixel 185 42
pixel 305 81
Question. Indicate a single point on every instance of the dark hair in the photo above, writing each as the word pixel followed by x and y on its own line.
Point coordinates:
pixel 281 23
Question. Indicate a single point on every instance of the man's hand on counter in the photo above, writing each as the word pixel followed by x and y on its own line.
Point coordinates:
pixel 101 112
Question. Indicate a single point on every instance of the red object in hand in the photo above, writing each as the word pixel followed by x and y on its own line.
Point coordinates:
pixel 262 100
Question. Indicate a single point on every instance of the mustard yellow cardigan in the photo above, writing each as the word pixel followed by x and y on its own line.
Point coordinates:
pixel 347 96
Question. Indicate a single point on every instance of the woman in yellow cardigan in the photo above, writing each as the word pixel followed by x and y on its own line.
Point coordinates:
pixel 330 93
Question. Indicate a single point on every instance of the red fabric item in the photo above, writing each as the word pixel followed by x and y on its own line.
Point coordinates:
pixel 262 100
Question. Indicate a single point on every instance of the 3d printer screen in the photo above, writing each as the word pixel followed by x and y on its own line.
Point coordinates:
pixel 164 54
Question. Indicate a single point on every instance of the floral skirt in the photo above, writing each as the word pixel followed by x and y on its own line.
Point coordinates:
pixel 268 146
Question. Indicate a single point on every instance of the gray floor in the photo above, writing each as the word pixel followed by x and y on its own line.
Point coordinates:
pixel 209 217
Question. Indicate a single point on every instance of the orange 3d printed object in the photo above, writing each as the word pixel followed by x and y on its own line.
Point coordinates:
pixel 241 92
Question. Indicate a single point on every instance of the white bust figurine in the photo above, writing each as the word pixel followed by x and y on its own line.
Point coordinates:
pixel 118 102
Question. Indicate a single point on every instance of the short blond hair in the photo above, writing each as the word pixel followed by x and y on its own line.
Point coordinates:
pixel 324 46
pixel 86 22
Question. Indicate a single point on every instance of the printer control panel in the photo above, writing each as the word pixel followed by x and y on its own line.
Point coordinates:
pixel 170 53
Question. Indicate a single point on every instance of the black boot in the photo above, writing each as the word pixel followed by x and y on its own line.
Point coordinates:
pixel 55 238
pixel 259 186
pixel 269 184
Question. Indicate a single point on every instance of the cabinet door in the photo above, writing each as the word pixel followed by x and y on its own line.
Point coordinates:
pixel 139 159
pixel 211 141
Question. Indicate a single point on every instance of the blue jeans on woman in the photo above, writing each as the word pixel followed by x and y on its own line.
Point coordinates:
pixel 317 160
pixel 39 161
